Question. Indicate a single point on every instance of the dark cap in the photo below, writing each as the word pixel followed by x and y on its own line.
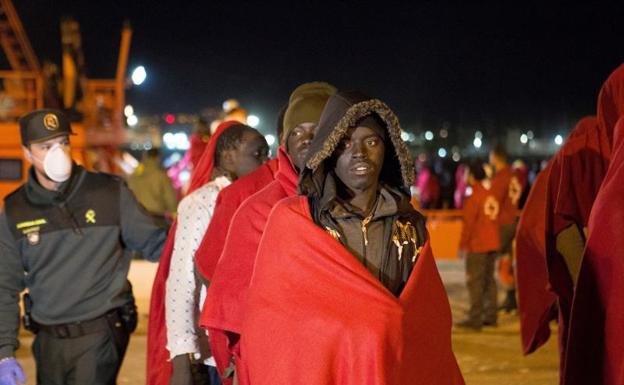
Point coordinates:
pixel 41 125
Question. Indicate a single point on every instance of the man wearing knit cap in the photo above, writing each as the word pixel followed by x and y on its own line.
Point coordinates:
pixel 224 307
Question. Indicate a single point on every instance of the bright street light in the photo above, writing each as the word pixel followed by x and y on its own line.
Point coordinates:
pixel 270 139
pixel 477 142
pixel 132 120
pixel 138 75
pixel 442 152
pixel 558 140
pixel 128 111
pixel 429 135
pixel 524 138
pixel 253 121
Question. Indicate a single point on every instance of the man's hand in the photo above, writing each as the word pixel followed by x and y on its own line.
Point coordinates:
pixel 11 373
pixel 181 371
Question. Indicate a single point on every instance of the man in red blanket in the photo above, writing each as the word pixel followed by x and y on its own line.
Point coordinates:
pixel 535 300
pixel 223 309
pixel 233 150
pixel 345 290
pixel 595 353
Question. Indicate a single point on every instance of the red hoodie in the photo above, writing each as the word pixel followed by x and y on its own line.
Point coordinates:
pixel 223 311
pixel 502 189
pixel 480 230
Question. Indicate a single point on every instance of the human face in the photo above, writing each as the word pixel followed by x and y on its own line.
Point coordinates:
pixel 251 153
pixel 35 153
pixel 298 143
pixel 359 160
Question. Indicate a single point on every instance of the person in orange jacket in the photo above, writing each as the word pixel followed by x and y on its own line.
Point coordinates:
pixel 479 245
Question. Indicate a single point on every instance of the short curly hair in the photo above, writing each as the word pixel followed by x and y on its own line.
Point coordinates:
pixel 230 139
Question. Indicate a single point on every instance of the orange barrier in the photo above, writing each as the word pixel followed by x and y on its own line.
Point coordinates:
pixel 444 228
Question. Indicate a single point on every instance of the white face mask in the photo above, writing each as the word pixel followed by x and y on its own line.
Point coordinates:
pixel 57 164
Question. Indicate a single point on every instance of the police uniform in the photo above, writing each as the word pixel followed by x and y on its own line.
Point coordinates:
pixel 70 249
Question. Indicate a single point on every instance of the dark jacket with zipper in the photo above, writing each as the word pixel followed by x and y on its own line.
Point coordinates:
pixel 70 249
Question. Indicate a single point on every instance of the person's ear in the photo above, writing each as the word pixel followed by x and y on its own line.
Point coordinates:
pixel 27 154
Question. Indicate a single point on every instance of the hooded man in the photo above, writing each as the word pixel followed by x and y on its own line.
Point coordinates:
pixel 234 150
pixel 594 351
pixel 345 290
pixel 223 310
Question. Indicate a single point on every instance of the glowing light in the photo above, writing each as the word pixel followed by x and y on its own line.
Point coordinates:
pixel 444 133
pixel 170 118
pixel 128 111
pixel 524 138
pixel 270 139
pixel 479 135
pixel 558 140
pixel 456 157
pixel 405 136
pixel 253 121
pixel 181 141
pixel 530 134
pixel 442 152
pixel 477 142
pixel 132 120
pixel 429 135
pixel 138 75
pixel 184 176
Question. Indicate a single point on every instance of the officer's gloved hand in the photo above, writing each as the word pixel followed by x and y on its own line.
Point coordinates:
pixel 11 373
pixel 182 374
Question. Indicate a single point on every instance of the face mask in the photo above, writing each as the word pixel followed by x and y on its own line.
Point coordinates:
pixel 57 164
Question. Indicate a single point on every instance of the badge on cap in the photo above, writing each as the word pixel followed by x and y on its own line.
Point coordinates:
pixel 50 122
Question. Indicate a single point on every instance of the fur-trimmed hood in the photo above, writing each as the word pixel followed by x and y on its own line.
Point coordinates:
pixel 343 111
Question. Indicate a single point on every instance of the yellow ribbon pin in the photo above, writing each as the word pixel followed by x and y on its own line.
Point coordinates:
pixel 90 216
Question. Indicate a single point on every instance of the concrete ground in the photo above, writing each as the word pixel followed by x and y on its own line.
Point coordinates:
pixel 490 357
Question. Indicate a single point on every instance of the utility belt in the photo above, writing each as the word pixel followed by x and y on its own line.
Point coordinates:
pixel 124 318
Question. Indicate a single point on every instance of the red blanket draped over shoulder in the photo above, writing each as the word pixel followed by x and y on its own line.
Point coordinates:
pixel 228 201
pixel 158 366
pixel 223 310
pixel 535 300
pixel 315 315
pixel 596 338
pixel 576 173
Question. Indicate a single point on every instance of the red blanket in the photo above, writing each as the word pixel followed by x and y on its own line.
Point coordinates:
pixel 223 310
pixel 596 338
pixel 315 315
pixel 535 300
pixel 228 201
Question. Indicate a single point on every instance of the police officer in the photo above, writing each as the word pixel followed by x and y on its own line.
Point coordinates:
pixel 65 236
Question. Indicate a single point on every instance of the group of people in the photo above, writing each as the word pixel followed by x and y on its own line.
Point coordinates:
pixel 312 267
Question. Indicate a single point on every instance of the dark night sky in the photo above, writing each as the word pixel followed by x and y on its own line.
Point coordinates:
pixel 487 65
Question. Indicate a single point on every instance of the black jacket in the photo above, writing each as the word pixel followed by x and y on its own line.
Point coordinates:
pixel 70 249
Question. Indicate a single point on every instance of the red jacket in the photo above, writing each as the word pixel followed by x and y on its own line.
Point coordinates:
pixel 535 300
pixel 228 201
pixel 223 310
pixel 480 230
pixel 315 315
